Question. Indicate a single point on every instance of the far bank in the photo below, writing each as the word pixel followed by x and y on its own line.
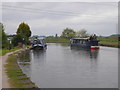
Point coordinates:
pixel 109 42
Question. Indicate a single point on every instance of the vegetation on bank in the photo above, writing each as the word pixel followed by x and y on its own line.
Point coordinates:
pixel 68 33
pixel 3 37
pixel 16 77
pixel 109 41
pixel 56 40
pixel 4 51
pixel 22 36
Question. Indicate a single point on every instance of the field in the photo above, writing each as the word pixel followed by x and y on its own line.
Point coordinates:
pixel 57 40
pixel 108 41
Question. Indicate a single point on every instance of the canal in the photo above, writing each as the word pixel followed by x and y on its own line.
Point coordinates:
pixel 60 67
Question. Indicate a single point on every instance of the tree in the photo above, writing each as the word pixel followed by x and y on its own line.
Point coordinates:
pixel 68 33
pixel 82 33
pixel 3 37
pixel 16 39
pixel 24 31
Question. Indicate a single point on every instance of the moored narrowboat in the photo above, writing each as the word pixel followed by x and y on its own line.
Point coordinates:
pixel 87 43
pixel 38 44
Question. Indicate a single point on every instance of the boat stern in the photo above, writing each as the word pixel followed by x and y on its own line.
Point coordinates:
pixel 94 47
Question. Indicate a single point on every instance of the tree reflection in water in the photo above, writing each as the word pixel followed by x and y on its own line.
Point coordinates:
pixel 24 57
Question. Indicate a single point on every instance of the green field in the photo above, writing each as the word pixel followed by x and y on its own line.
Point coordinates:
pixel 113 42
pixel 57 40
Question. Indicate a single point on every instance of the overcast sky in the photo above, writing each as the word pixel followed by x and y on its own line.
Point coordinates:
pixel 50 18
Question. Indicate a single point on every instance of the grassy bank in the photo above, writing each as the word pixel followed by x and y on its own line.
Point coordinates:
pixel 4 51
pixel 16 77
pixel 57 40
pixel 111 42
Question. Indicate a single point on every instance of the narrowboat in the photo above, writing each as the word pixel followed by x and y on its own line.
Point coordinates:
pixel 87 43
pixel 38 44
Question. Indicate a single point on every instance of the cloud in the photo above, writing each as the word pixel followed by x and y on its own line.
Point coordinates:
pixel 60 0
pixel 51 18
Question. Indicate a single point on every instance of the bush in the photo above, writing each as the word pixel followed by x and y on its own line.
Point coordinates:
pixel 17 39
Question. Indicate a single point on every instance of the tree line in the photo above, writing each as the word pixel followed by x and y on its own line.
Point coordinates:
pixel 70 33
pixel 22 35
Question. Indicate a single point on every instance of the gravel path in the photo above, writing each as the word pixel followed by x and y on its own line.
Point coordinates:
pixel 5 83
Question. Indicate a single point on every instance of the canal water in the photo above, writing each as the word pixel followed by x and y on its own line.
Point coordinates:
pixel 61 67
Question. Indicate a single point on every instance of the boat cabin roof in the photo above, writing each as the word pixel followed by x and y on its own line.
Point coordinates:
pixel 38 39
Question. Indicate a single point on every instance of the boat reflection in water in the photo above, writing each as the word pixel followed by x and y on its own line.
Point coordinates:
pixel 93 54
pixel 38 57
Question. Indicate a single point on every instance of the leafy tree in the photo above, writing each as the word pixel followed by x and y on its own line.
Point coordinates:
pixel 24 31
pixel 3 37
pixel 68 33
pixel 82 33
pixel 16 39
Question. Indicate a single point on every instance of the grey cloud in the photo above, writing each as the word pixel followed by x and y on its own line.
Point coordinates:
pixel 51 18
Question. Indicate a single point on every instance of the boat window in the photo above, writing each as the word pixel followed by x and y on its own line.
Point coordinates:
pixel 78 41
pixel 71 41
pixel 36 42
pixel 83 42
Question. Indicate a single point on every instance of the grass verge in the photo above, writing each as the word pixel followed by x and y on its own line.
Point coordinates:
pixel 4 51
pixel 16 77
pixel 111 42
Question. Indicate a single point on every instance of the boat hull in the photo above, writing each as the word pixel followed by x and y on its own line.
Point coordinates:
pixel 38 48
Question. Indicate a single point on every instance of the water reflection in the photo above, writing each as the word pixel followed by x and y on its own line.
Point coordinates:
pixel 61 67
pixel 39 56
pixel 24 57
pixel 93 54
pixel 24 62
